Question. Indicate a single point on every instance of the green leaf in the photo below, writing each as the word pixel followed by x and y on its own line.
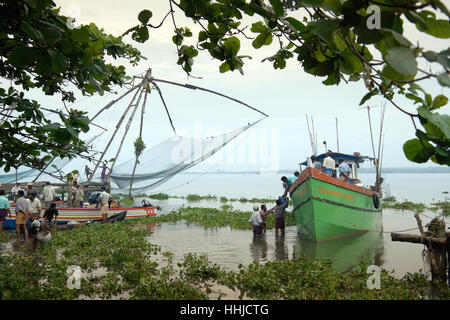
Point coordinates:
pixel 224 67
pixel 349 63
pixel 277 7
pixel 439 101
pixel 144 16
pixel 87 59
pixel 22 56
pixel 294 24
pixel 442 121
pixel 369 95
pixel 259 27
pixel 232 45
pixel 80 35
pixel 444 79
pixel 326 29
pixel 402 60
pixel 435 27
pixel 415 151
pixel 264 38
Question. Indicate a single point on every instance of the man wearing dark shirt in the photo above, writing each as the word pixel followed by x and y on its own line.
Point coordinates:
pixel 279 210
pixel 48 217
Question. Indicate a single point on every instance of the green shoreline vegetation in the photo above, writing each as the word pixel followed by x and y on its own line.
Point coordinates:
pixel 388 202
pixel 132 269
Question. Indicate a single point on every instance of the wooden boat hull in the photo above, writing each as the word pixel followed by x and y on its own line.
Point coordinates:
pixel 326 208
pixel 87 214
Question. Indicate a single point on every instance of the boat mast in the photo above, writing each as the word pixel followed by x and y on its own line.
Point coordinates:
pixel 310 137
pixel 337 135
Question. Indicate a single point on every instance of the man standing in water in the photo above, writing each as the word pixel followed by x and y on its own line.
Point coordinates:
pixel 21 215
pixel 279 210
pixel 256 221
pixel 104 203
pixel 263 214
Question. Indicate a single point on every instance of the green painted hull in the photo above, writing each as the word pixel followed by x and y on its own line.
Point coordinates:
pixel 326 211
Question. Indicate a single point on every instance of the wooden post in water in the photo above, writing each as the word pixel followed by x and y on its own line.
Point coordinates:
pixel 437 242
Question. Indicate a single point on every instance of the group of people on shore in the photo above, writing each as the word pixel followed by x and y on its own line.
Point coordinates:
pixel 28 207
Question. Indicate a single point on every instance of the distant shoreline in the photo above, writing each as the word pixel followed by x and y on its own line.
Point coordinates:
pixel 445 170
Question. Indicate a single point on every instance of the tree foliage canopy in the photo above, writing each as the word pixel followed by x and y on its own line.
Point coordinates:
pixel 40 48
pixel 339 40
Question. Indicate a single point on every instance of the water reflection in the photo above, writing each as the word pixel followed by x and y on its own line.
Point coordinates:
pixel 281 250
pixel 344 253
pixel 258 249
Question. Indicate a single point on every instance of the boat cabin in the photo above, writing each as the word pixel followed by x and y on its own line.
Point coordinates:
pixel 352 160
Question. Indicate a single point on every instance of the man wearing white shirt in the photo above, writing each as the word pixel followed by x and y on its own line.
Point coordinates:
pixel 48 195
pixel 256 221
pixel 329 165
pixel 104 205
pixel 15 191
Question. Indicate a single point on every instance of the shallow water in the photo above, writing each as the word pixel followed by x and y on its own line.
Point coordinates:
pixel 230 247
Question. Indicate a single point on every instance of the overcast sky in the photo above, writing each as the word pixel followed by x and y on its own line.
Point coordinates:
pixel 286 96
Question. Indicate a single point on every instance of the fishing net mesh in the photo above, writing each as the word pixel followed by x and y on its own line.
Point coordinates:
pixel 163 161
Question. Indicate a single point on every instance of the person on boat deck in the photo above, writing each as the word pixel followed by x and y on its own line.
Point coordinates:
pixel 287 183
pixel 344 170
pixel 279 210
pixel 5 208
pixel 15 191
pixel 103 175
pixel 263 217
pixel 104 203
pixel 48 217
pixel 34 207
pixel 73 191
pixel 316 164
pixel 79 196
pixel 48 194
pixel 87 171
pixel 329 165
pixel 256 221
pixel 21 215
pixel 30 189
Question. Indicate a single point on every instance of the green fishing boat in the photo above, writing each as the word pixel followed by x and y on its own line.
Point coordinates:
pixel 328 208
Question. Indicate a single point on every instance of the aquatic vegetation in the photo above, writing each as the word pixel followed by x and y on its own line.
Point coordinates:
pixel 118 261
pixel 391 202
pixel 307 279
pixel 225 216
pixel 443 206
pixel 126 201
pixel 196 197
pixel 159 196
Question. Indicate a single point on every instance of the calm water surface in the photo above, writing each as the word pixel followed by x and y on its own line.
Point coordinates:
pixel 229 247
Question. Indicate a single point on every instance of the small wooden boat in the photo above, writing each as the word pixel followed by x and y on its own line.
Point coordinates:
pixel 69 225
pixel 87 214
